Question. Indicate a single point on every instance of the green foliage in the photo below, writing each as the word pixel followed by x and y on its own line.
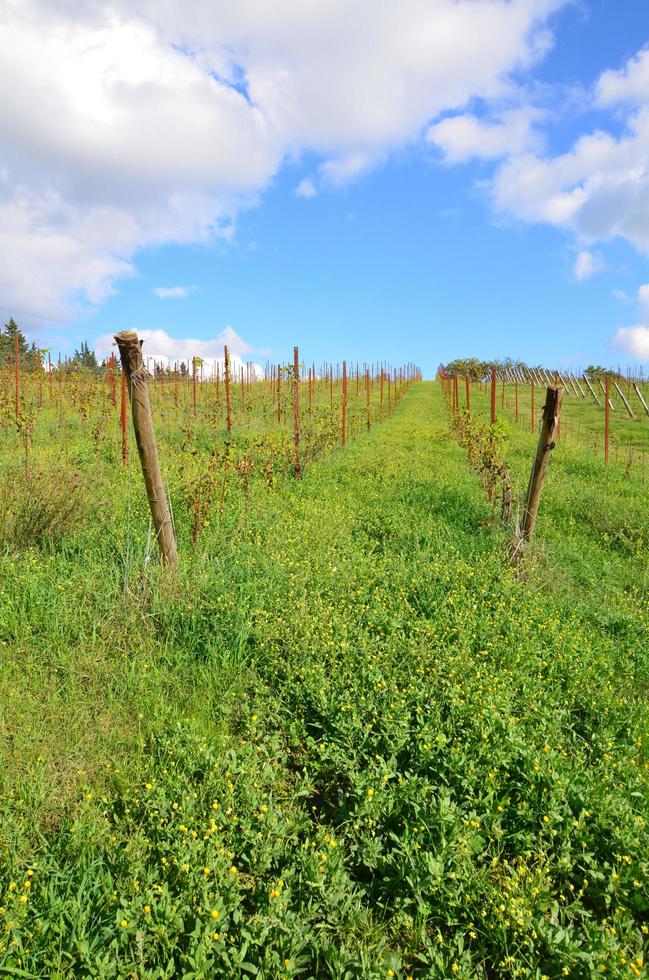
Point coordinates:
pixel 595 372
pixel 39 508
pixel 468 367
pixel 346 740
pixel 85 359
pixel 29 354
pixel 477 370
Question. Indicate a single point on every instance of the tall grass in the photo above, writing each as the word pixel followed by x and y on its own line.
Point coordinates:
pixel 347 741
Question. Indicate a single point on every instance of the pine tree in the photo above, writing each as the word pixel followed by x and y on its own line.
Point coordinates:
pixel 85 359
pixel 8 344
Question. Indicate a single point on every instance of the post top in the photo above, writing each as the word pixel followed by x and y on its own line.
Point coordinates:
pixel 126 336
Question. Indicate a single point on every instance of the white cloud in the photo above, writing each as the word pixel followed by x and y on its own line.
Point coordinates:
pixel 162 348
pixel 306 188
pixel 342 169
pixel 599 188
pixel 634 341
pixel 621 295
pixel 173 292
pixel 629 84
pixel 587 265
pixel 132 123
pixel 643 300
pixel 462 137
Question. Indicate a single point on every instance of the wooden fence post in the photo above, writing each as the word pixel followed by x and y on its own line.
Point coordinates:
pixel 642 401
pixel 607 417
pixel 516 398
pixel 532 391
pixel 122 420
pixel 226 378
pixel 344 404
pixel 590 388
pixel 622 396
pixel 130 351
pixel 367 396
pixel 551 413
pixel 17 375
pixel 297 472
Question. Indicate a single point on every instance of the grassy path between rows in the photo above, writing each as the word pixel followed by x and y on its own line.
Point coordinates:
pixel 346 742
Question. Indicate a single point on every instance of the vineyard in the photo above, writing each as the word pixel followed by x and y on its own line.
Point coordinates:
pixel 618 436
pixel 346 736
pixel 218 433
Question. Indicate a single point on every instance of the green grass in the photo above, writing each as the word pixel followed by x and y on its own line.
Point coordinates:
pixel 582 421
pixel 345 740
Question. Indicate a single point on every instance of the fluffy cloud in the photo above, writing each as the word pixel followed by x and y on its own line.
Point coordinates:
pixel 599 188
pixel 629 84
pixel 463 137
pixel 306 188
pixel 131 124
pixel 587 265
pixel 161 348
pixel 643 299
pixel 634 341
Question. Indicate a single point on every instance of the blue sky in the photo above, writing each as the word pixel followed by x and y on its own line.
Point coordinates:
pixel 498 205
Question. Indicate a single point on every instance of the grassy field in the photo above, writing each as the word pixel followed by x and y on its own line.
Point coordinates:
pixel 582 420
pixel 346 740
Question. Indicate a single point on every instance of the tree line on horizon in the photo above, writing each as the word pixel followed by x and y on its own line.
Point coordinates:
pixel 476 370
pixel 33 358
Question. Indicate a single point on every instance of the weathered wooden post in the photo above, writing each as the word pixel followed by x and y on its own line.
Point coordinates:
pixel 516 398
pixel 623 397
pixel 532 414
pixel 344 404
pixel 226 377
pixel 551 413
pixel 17 375
pixel 297 472
pixel 122 420
pixel 642 401
pixel 130 352
pixel 590 388
pixel 607 417
pixel 113 380
pixel 367 397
